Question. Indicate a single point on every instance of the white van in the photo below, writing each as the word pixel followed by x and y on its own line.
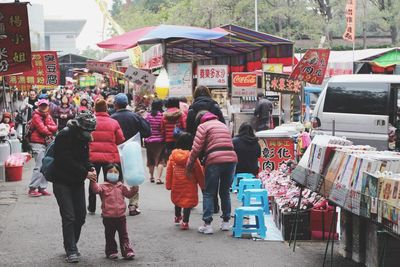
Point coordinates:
pixel 360 107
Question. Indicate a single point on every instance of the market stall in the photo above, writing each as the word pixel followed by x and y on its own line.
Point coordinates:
pixel 212 58
pixel 364 183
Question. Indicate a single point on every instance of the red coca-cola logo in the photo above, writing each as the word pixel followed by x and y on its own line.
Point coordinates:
pixel 244 80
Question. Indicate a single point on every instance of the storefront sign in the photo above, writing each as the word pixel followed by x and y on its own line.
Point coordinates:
pixel 275 152
pixel 180 79
pixel 86 81
pixel 212 75
pixel 15 44
pixel 45 72
pixel 273 68
pixel 281 83
pixel 100 66
pixel 244 80
pixel 312 66
pixel 140 77
pixel 153 57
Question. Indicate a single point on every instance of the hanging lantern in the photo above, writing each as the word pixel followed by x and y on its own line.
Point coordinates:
pixel 162 84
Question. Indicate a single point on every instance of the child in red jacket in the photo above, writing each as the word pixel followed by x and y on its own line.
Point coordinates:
pixel 184 192
pixel 112 194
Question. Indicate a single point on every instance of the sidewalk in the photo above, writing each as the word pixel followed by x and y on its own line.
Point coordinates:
pixel 30 235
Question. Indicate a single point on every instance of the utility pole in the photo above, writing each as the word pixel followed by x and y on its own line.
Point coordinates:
pixel 256 14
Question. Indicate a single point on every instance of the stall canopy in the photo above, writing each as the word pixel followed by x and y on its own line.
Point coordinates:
pixel 229 44
pixel 157 34
pixel 387 60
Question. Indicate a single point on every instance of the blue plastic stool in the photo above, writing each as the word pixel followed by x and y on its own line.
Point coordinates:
pixel 261 196
pixel 239 228
pixel 238 177
pixel 247 184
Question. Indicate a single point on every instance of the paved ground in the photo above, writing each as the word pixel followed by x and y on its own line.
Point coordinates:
pixel 30 235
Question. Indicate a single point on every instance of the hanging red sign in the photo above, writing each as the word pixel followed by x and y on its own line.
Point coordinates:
pixel 45 72
pixel 244 80
pixel 275 152
pixel 312 66
pixel 15 44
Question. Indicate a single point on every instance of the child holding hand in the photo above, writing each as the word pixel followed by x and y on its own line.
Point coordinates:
pixel 184 190
pixel 113 194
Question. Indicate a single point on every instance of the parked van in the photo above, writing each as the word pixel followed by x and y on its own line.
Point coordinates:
pixel 360 107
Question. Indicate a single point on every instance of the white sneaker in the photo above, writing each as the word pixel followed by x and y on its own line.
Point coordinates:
pixel 206 229
pixel 225 226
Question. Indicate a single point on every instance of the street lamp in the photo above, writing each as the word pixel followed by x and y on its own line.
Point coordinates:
pixel 256 14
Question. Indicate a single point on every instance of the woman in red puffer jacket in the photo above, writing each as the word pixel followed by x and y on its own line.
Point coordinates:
pixel 43 128
pixel 103 149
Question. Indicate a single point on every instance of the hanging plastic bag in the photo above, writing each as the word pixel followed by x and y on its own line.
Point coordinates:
pixel 130 153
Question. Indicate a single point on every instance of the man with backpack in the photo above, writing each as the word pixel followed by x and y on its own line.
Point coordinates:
pixel 71 167
pixel 131 124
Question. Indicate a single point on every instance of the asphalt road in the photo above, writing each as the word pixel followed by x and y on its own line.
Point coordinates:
pixel 30 235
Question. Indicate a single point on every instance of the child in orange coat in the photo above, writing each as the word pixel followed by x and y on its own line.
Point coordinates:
pixel 184 190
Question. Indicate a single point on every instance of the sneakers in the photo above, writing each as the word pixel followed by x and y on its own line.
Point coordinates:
pixel 113 256
pixel 73 258
pixel 178 220
pixel 34 193
pixel 206 229
pixel 129 256
pixel 44 192
pixel 225 226
pixel 133 211
pixel 184 226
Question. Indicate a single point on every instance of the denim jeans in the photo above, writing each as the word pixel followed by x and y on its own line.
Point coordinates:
pixel 71 201
pixel 222 174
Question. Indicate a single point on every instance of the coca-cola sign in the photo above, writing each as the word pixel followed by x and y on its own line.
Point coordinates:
pixel 244 80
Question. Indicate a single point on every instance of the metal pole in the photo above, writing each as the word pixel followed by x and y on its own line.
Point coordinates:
pixel 256 14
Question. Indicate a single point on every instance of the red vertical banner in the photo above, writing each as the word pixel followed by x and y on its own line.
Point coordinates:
pixel 350 32
pixel 15 43
pixel 45 72
pixel 275 152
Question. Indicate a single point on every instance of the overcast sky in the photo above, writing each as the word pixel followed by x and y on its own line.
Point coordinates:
pixel 76 9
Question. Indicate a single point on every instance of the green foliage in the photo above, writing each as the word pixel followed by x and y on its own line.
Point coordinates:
pixel 292 19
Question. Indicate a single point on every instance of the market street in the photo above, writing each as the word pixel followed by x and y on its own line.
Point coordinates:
pixel 30 235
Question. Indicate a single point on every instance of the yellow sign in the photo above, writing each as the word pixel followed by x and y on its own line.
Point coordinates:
pixel 274 68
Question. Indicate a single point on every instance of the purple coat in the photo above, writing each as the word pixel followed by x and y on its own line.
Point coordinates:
pixel 156 128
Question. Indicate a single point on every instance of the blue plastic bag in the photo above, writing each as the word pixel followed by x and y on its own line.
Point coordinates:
pixel 131 156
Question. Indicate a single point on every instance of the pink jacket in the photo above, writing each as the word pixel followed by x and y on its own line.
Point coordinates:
pixel 112 197
pixel 212 135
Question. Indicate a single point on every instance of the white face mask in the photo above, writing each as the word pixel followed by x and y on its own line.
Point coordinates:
pixel 112 177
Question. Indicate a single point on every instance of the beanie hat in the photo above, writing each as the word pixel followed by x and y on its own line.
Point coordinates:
pixel 86 120
pixel 100 105
pixel 121 100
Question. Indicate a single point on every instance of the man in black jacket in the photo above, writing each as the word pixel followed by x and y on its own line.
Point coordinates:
pixel 131 124
pixel 72 167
